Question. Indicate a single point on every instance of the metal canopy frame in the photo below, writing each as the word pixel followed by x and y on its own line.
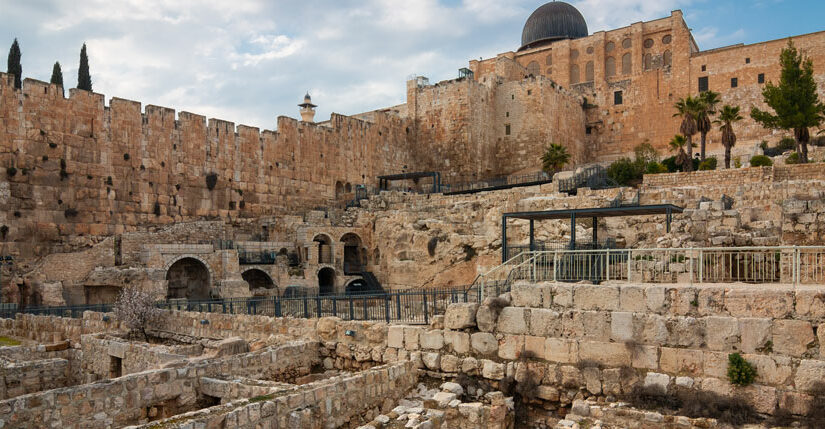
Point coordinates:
pixel 383 181
pixel 594 213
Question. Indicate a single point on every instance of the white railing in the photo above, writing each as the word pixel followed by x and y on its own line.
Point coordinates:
pixel 778 264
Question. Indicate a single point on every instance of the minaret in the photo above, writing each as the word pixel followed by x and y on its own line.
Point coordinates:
pixel 307 109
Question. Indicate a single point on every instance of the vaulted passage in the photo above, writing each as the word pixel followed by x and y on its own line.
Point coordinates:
pixel 326 281
pixel 257 279
pixel 354 258
pixel 188 278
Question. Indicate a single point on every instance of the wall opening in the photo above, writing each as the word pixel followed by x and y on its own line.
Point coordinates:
pixel 324 248
pixel 703 84
pixel 115 367
pixel 188 278
pixel 258 279
pixel 326 281
pixel 353 256
pixel 617 98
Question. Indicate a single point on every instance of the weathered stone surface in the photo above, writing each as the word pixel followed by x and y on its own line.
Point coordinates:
pixel 745 302
pixel 411 336
pixel 510 347
pixel 513 320
pixel 432 339
pixel 484 343
pixel 632 299
pixel 657 382
pixel 722 333
pixel 607 354
pixel 460 316
pixel 592 380
pixel 487 315
pixel 772 370
pixel 621 326
pixel 492 370
pixel 755 334
pixel 525 294
pixel 589 297
pixel 459 341
pixel 395 336
pixel 792 337
pixel 809 376
pixel 450 363
pixel 431 360
pixel 646 357
pixel 534 346
pixel 681 361
pixel 545 323
pixel 561 350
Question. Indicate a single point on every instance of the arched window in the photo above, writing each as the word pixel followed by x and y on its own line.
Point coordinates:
pixel 589 50
pixel 574 54
pixel 648 43
pixel 626 43
pixel 627 63
pixel 666 40
pixel 667 58
pixel 610 67
pixel 609 47
pixel 533 68
pixel 574 74
pixel 648 61
pixel 549 60
pixel 588 71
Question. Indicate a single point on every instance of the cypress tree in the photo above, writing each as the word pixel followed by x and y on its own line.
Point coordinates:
pixel 14 67
pixel 57 75
pixel 84 79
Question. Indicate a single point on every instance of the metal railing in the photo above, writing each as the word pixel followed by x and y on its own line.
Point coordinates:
pixel 501 182
pixel 407 306
pixel 778 264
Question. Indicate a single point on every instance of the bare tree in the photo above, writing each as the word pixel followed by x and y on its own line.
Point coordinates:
pixel 136 309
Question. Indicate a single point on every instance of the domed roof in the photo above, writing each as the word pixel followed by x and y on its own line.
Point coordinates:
pixel 553 21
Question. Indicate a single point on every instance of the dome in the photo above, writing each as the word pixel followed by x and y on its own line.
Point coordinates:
pixel 553 21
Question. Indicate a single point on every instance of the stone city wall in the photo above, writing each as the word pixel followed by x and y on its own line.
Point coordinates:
pixel 341 401
pixel 126 400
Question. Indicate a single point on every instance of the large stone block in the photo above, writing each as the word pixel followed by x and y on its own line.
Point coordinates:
pixel 395 336
pixel 681 361
pixel 589 297
pixel 561 350
pixel 722 333
pixel 686 332
pixel 621 326
pixel 545 323
pixel 492 370
pixel 534 346
pixel 469 365
pixel 510 347
pixel 484 343
pixel 487 314
pixel 711 300
pixel 810 376
pixel 513 320
pixel 431 340
pixel 459 341
pixel 596 325
pixel 772 370
pixel 645 357
pixel 656 299
pixel 820 334
pixel 611 355
pixel 810 303
pixel 411 335
pixel 632 299
pixel 715 364
pixel 561 294
pixel 431 360
pixel 526 294
pixel 792 337
pixel 460 316
pixel 761 302
pixel 755 334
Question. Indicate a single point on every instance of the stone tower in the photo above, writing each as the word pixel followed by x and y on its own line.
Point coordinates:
pixel 307 109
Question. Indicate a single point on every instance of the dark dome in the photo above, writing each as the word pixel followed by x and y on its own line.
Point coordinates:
pixel 553 21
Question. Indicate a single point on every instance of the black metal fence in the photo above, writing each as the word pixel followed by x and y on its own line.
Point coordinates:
pixel 407 306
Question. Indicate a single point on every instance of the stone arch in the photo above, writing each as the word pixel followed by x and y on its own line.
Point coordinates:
pixel 323 247
pixel 353 253
pixel 357 286
pixel 627 63
pixel 667 58
pixel 548 60
pixel 627 43
pixel 610 67
pixel 533 68
pixel 339 189
pixel 348 188
pixel 376 256
pixel 648 61
pixel 189 277
pixel 588 72
pixel 574 74
pixel 326 281
pixel 258 279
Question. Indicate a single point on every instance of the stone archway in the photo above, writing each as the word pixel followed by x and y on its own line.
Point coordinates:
pixel 258 279
pixel 326 281
pixel 353 258
pixel 324 246
pixel 357 287
pixel 188 278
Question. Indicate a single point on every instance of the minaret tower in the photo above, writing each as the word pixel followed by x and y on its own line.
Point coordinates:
pixel 307 109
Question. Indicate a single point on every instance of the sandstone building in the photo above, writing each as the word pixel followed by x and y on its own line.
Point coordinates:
pixel 142 189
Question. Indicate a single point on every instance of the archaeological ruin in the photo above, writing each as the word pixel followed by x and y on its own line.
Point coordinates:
pixel 416 266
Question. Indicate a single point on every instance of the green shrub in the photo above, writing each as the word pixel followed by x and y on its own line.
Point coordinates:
pixel 624 171
pixel 672 167
pixel 655 168
pixel 646 153
pixel 786 144
pixel 708 164
pixel 792 158
pixel 761 161
pixel 740 371
pixel 11 171
pixel 737 163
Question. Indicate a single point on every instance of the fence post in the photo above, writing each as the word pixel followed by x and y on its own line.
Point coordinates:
pixel 366 316
pixel 701 266
pixel 351 309
pixel 335 306
pixel 306 308
pixel 318 305
pixel 398 305
pixel 629 264
pixel 797 266
pixel 278 307
pixel 426 316
pixel 387 308
pixel 607 269
pixel 534 276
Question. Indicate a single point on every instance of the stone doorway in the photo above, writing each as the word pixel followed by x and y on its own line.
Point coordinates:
pixel 258 279
pixel 326 281
pixel 188 278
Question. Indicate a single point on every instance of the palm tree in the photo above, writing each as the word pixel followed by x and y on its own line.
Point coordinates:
pixel 688 108
pixel 554 158
pixel 709 100
pixel 727 116
pixel 677 144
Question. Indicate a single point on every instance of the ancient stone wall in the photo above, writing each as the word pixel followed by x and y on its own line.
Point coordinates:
pixel 20 378
pixel 50 329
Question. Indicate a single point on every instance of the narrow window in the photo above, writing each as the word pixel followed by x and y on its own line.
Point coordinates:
pixel 512 96
pixel 507 130
pixel 529 92
pixel 115 367
pixel 703 84
pixel 588 130
pixel 617 98
pixel 506 114
pixel 704 68
pixel 761 78
pixel 734 82
pixel 747 60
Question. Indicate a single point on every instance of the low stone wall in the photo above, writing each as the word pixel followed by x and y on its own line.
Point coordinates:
pixel 34 376
pixel 334 402
pixel 128 399
pixel 49 329
pixel 223 326
pixel 98 350
pixel 738 176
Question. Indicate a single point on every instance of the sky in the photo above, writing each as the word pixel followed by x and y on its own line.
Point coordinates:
pixel 250 61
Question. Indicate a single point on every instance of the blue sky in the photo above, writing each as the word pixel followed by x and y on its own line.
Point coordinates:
pixel 249 61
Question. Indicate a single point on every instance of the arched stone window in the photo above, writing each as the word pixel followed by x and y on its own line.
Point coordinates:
pixel 648 43
pixel 609 47
pixel 574 54
pixel 589 50
pixel 588 71
pixel 533 68
pixel 666 40
pixel 574 74
pixel 627 64
pixel 627 43
pixel 610 67
pixel 648 64
pixel 549 60
pixel 667 58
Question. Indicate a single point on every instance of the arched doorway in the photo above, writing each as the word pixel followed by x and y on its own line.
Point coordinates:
pixel 357 287
pixel 353 258
pixel 188 278
pixel 258 279
pixel 324 244
pixel 326 281
pixel 339 189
